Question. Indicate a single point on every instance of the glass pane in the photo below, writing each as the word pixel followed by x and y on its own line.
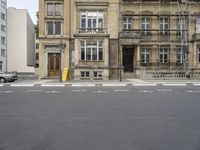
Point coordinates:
pixel 94 54
pixel 89 23
pixel 57 28
pixel 100 23
pixel 58 9
pixel 51 63
pixel 50 28
pixel 83 23
pixel 100 54
pixel 50 9
pixel 88 54
pixel 57 63
pixel 82 54
pixel 94 23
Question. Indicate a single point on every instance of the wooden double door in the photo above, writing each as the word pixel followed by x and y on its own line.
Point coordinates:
pixel 54 64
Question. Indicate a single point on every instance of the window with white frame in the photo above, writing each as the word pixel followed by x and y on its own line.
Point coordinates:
pixel 181 56
pixel 182 26
pixel 53 28
pixel 164 26
pixel 127 22
pixel 91 50
pixel 54 9
pixel 145 55
pixel 98 74
pixel 164 55
pixel 3 53
pixel 146 26
pixel 91 19
pixel 85 74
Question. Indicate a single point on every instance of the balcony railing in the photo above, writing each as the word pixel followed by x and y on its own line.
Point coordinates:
pixel 91 30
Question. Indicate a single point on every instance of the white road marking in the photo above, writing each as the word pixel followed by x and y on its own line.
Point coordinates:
pixel 7 91
pixel 138 84
pixel 78 90
pixel 21 85
pixel 196 84
pixel 34 91
pixel 191 91
pixel 176 84
pixel 145 91
pixel 1 85
pixel 164 90
pixel 54 92
pixel 99 91
pixel 52 85
pixel 121 90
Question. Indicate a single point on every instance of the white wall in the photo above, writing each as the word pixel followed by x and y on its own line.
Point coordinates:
pixel 21 41
pixel 2 33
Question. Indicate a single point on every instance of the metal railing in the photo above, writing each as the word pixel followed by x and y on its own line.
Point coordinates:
pixel 91 30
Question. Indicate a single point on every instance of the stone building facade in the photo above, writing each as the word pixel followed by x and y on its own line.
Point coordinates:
pixel 110 39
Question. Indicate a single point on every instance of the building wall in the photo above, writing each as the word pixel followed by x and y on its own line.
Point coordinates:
pixel 3 47
pixel 21 41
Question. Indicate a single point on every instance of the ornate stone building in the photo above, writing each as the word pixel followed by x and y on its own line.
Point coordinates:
pixel 109 39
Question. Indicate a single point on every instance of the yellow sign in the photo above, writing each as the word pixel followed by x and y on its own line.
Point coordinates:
pixel 65 75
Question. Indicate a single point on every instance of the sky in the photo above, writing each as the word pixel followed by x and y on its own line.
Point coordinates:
pixel 30 5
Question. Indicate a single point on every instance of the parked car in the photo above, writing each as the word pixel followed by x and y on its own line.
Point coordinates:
pixel 7 77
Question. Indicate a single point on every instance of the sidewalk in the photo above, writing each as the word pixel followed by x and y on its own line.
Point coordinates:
pixel 29 82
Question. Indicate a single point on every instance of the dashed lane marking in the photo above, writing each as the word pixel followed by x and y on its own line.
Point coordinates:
pixel 196 84
pixel 78 90
pixel 1 85
pixel 99 92
pixel 191 91
pixel 121 90
pixel 53 92
pixel 29 91
pixel 114 84
pixel 145 91
pixel 7 91
pixel 164 90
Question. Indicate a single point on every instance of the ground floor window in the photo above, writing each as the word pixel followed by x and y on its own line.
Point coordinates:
pixel 145 55
pixel 98 74
pixel 199 55
pixel 85 74
pixel 91 50
pixel 3 53
pixel 1 65
pixel 164 55
pixel 180 56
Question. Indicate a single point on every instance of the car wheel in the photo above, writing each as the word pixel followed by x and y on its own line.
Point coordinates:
pixel 2 80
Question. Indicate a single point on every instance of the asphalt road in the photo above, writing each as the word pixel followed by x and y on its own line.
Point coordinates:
pixel 100 118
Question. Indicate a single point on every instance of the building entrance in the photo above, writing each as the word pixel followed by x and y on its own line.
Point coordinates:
pixel 128 55
pixel 54 64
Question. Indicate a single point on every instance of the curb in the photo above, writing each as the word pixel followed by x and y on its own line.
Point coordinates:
pixel 101 85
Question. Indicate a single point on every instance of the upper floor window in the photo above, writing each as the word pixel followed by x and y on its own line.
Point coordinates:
pixel 53 28
pixel 3 28
pixel 3 16
pixel 164 26
pixel 127 22
pixel 3 53
pixel 91 50
pixel 3 40
pixel 182 26
pixel 3 4
pixel 146 26
pixel 145 55
pixel 91 19
pixel 164 55
pixel 1 65
pixel 54 9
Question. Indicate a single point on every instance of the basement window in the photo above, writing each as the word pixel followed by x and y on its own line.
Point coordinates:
pixel 85 74
pixel 98 74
